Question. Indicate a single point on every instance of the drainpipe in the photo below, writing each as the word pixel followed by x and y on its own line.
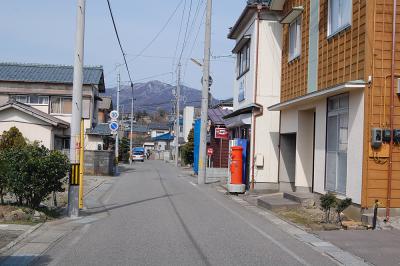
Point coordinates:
pixel 255 115
pixel 390 174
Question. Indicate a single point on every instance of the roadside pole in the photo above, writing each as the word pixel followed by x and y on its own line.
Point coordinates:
pixel 81 162
pixel 117 136
pixel 177 123
pixel 75 146
pixel 131 132
pixel 201 178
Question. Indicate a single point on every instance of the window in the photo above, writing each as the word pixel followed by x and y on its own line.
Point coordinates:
pixel 61 105
pixel 243 60
pixel 340 13
pixel 295 39
pixel 336 143
pixel 32 99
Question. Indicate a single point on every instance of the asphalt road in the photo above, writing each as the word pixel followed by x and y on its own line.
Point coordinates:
pixel 155 216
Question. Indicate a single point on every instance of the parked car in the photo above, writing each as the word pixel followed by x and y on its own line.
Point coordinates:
pixel 138 156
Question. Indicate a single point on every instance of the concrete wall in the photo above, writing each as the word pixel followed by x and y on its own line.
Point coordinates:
pixel 99 163
pixel 305 150
pixel 355 149
pixel 32 128
pixel 92 142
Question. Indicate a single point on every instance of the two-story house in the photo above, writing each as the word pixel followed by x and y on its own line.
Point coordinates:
pixel 258 36
pixel 339 99
pixel 37 99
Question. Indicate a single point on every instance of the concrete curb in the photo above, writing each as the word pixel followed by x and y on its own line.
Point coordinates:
pixel 20 238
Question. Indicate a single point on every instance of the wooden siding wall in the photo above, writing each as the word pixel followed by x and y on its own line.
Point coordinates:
pixel 380 12
pixel 295 73
pixel 342 56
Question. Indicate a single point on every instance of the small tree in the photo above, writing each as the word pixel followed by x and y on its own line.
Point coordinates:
pixel 3 179
pixel 12 138
pixel 188 149
pixel 123 150
pixel 328 201
pixel 341 205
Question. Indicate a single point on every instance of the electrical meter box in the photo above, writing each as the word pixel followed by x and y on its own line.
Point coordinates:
pixel 376 138
pixel 386 135
pixel 396 136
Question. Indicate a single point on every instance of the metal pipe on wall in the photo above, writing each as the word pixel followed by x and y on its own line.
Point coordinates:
pixel 390 174
pixel 254 116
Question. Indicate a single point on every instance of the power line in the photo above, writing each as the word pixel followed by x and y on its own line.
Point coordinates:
pixel 194 43
pixel 179 34
pixel 159 32
pixel 186 31
pixel 119 42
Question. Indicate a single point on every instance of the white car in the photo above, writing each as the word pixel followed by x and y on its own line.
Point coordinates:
pixel 138 156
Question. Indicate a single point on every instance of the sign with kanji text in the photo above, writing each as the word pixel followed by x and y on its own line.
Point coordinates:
pixel 221 133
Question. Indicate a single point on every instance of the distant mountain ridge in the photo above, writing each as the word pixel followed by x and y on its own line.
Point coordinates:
pixel 154 95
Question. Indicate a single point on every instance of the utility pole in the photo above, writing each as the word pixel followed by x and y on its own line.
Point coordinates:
pixel 177 124
pixel 204 98
pixel 73 191
pixel 130 142
pixel 117 136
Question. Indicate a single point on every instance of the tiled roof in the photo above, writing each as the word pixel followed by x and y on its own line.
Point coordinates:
pixel 101 129
pixel 159 126
pixel 35 112
pixel 167 137
pixel 40 73
pixel 217 115
pixel 138 128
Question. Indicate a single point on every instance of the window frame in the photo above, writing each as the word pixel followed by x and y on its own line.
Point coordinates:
pixel 343 26
pixel 298 25
pixel 242 67
pixel 61 105
pixel 28 99
pixel 337 112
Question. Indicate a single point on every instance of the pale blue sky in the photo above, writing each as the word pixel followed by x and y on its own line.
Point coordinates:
pixel 42 31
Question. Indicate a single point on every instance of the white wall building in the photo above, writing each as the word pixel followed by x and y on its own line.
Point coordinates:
pixel 258 36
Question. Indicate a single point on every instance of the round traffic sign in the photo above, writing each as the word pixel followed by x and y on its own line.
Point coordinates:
pixel 113 126
pixel 114 115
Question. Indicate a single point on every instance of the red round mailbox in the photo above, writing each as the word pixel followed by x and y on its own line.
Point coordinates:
pixel 236 165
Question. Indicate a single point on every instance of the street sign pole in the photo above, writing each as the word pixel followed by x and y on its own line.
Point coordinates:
pixel 117 136
pixel 75 146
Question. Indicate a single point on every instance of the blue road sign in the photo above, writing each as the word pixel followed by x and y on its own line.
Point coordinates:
pixel 113 126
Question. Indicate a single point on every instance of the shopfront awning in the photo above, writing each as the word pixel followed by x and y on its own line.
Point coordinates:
pixel 241 116
pixel 318 95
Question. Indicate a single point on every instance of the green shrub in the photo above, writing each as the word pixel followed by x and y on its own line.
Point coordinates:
pixel 327 202
pixel 34 172
pixel 341 205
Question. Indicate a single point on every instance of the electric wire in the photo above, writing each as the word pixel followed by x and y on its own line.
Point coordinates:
pixel 119 42
pixel 159 32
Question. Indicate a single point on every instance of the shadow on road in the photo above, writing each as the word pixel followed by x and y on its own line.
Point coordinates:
pixel 25 260
pixel 107 208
